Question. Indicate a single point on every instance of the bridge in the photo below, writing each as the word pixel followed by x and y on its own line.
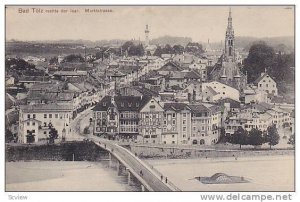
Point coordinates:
pixel 149 178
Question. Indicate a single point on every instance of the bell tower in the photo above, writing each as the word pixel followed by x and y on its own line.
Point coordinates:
pixel 147 36
pixel 229 40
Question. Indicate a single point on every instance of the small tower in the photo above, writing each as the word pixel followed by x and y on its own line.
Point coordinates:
pixel 147 36
pixel 223 76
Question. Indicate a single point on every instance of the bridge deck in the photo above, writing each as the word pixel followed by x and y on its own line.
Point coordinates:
pixel 150 178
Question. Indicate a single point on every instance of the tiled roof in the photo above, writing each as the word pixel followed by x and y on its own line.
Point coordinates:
pixel 198 108
pixel 123 103
pixel 46 107
pixel 176 106
pixel 170 66
pixel 70 73
pixel 261 78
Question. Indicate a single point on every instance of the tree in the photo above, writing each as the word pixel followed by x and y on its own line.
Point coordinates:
pixel 30 137
pixel 53 60
pixel 73 58
pixel 292 140
pixel 167 49
pixel 255 137
pixel 158 51
pixel 8 136
pixel 272 137
pixel 178 49
pixel 53 134
pixel 260 56
pixel 240 136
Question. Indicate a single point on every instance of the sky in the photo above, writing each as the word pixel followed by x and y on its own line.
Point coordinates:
pixel 198 22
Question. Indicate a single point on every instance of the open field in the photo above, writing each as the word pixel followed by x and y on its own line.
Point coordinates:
pixel 63 176
pixel 265 173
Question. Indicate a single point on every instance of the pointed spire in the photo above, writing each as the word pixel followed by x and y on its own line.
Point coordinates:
pixel 229 19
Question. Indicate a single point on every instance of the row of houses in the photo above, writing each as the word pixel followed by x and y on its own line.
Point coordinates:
pixel 145 119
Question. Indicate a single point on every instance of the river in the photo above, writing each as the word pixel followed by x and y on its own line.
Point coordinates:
pixel 64 176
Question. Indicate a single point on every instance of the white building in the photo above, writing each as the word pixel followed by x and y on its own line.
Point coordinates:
pixel 267 84
pixel 222 90
pixel 35 119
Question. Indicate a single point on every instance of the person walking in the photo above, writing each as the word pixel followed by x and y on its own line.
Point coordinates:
pixel 166 180
pixel 161 177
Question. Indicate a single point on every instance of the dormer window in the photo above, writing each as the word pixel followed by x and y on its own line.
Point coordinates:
pixel 129 104
pixel 104 104
pixel 137 104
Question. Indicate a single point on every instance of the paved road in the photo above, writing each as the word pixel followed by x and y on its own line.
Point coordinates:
pixel 137 165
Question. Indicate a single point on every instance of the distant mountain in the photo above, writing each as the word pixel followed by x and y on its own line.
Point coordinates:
pixel 171 40
pixel 285 43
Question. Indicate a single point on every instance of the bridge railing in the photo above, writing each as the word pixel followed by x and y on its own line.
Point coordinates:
pixel 160 174
pixel 151 168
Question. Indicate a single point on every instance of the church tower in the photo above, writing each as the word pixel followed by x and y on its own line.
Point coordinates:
pixel 147 36
pixel 229 40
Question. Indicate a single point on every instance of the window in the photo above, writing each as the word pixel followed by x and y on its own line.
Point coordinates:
pixel 184 128
pixel 174 122
pixel 45 132
pixel 174 115
pixel 184 115
pixel 33 131
pixel 28 123
pixel 184 121
pixel 173 142
pixel 33 123
pixel 33 116
pixel 50 116
pixel 56 116
pixel 45 116
pixel 28 116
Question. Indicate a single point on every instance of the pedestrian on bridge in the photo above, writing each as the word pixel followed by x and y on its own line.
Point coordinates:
pixel 166 180
pixel 161 177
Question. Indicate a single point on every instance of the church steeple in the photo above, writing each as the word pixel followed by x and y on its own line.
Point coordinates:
pixel 229 40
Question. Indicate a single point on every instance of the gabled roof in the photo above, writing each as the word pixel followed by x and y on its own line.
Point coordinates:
pixel 170 66
pixel 53 107
pixel 123 103
pixel 198 108
pixel 261 78
pixel 175 106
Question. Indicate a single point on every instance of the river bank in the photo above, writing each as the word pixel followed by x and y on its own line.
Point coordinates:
pixel 265 173
pixel 63 176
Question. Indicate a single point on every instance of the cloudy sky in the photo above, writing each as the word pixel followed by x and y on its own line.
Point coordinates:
pixel 198 22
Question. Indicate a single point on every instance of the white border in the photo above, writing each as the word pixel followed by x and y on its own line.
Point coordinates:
pixel 127 196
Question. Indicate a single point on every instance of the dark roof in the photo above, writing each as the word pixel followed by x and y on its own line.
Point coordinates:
pixel 233 103
pixel 146 91
pixel 198 108
pixel 123 103
pixel 34 78
pixel 261 78
pixel 175 106
pixel 170 66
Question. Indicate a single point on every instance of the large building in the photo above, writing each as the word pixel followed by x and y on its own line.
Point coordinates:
pixel 227 70
pixel 118 116
pixel 35 120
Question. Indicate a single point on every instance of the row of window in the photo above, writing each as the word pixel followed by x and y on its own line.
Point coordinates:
pixel 50 116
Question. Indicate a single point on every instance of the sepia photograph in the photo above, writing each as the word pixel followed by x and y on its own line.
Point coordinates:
pixel 149 98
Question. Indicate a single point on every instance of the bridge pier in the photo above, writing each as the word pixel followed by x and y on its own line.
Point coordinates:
pixel 110 160
pixel 128 177
pixel 143 188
